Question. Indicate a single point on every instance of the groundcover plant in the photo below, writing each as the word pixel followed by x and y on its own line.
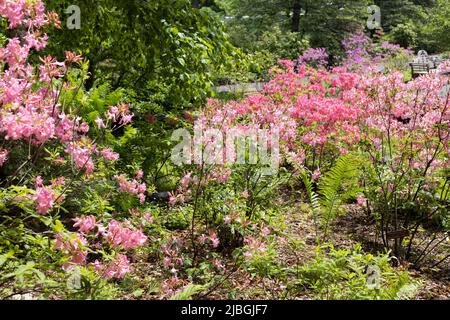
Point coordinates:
pixel 129 171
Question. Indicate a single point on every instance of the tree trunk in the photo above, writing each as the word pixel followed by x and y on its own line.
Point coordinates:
pixel 296 11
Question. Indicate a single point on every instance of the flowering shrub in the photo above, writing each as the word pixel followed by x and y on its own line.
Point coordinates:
pixel 46 138
pixel 400 129
pixel 361 52
pixel 406 134
pixel 314 57
pixel 313 110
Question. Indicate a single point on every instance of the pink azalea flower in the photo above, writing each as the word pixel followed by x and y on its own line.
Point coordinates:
pixel 3 156
pixel 139 174
pixel 119 235
pixel 148 217
pixel 202 239
pixel 45 200
pixel 214 240
pixel 167 262
pixel 85 224
pixel 74 245
pixel 109 155
pixel 117 268
pixel 100 124
pixel 361 200
pixel 265 232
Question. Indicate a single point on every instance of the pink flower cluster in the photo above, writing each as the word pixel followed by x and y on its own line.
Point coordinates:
pixel 322 114
pixel 116 269
pixel 254 247
pixel 31 115
pixel 45 200
pixel 45 197
pixel 182 194
pixel 213 239
pixel 120 236
pixel 414 117
pixel 234 217
pixel 132 187
pixel 109 155
pixel 30 14
pixel 3 156
pixel 28 113
pixel 81 152
pixel 74 245
pixel 314 112
pixel 31 112
pixel 85 224
pixel 119 114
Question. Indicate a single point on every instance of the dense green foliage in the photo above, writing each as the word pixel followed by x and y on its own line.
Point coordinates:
pixel 168 46
pixel 342 274
pixel 93 205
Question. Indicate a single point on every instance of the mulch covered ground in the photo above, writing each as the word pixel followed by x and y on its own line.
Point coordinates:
pixel 298 224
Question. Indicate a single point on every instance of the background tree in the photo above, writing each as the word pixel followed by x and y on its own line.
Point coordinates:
pixel 318 23
pixel 437 30
pixel 166 43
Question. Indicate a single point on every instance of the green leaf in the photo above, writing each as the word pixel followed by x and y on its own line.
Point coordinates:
pixel 5 257
pixel 188 292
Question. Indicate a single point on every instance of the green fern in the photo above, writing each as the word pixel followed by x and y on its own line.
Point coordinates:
pixel 188 292
pixel 339 184
pixel 313 198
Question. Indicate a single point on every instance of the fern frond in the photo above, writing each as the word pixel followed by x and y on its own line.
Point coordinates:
pixel 313 198
pixel 188 292
pixel 337 185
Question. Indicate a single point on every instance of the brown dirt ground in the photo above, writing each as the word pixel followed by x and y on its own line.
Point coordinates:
pixel 348 229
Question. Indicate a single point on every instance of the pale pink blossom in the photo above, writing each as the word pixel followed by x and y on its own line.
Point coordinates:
pixel 74 245
pixel 139 174
pixel 3 156
pixel 361 201
pixel 120 236
pixel 148 217
pixel 117 268
pixel 85 224
pixel 44 199
pixel 214 240
pixel 109 155
pixel 100 124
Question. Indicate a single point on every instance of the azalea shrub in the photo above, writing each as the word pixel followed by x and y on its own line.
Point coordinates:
pixel 314 57
pixel 55 160
pixel 405 138
pixel 363 53
pixel 398 128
